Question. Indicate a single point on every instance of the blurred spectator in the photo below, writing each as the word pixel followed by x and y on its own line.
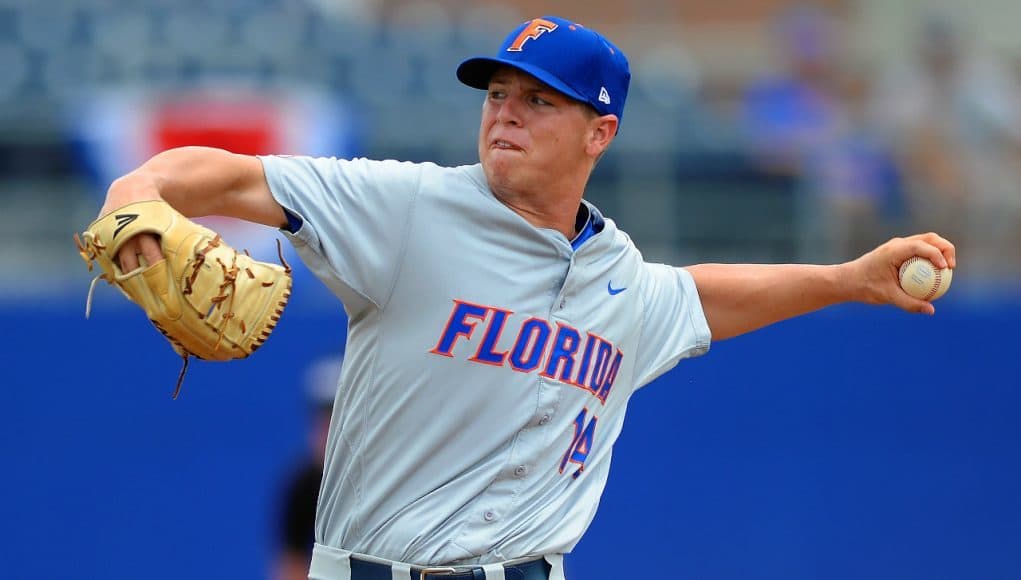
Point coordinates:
pixel 856 180
pixel 807 120
pixel 296 528
pixel 789 112
pixel 955 114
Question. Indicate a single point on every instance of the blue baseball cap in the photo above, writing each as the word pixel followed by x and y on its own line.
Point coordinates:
pixel 577 61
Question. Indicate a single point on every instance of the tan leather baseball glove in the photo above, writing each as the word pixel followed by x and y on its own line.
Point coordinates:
pixel 208 300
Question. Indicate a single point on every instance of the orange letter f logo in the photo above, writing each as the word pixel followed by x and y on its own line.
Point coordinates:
pixel 534 30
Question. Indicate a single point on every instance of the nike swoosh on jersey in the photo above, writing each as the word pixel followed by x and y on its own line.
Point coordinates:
pixel 613 291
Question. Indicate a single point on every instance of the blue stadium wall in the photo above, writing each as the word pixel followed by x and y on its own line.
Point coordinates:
pixel 857 442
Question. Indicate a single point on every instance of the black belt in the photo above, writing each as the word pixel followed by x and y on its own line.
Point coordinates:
pixel 537 569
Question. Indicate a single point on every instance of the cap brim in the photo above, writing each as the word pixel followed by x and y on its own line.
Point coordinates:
pixel 476 72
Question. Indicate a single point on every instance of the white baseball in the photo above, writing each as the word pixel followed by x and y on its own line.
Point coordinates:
pixel 922 279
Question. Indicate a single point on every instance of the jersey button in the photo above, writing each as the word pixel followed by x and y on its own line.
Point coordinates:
pixel 520 471
pixel 545 419
pixel 489 516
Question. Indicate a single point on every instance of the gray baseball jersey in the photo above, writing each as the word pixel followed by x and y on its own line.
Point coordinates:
pixel 489 363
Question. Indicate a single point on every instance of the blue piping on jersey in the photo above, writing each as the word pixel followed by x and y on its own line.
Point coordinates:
pixel 293 221
pixel 593 225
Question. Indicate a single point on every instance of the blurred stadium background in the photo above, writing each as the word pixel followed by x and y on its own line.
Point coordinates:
pixel 855 443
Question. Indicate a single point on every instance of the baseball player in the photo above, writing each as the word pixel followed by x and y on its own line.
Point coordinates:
pixel 499 323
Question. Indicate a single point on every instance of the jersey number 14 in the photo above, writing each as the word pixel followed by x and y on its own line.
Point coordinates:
pixel 581 443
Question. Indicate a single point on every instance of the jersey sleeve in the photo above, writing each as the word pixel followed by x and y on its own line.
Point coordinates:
pixel 354 217
pixel 674 326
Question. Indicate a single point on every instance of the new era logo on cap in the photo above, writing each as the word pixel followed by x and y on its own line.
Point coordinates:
pixel 572 59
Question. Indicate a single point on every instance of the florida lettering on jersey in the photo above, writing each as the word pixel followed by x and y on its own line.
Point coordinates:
pixel 559 352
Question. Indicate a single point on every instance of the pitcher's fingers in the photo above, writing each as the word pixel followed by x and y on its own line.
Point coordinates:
pixel 949 252
pixel 946 247
pixel 150 247
pixel 929 251
pixel 128 255
pixel 911 304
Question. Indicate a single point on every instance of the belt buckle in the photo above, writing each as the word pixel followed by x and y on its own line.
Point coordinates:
pixel 436 572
